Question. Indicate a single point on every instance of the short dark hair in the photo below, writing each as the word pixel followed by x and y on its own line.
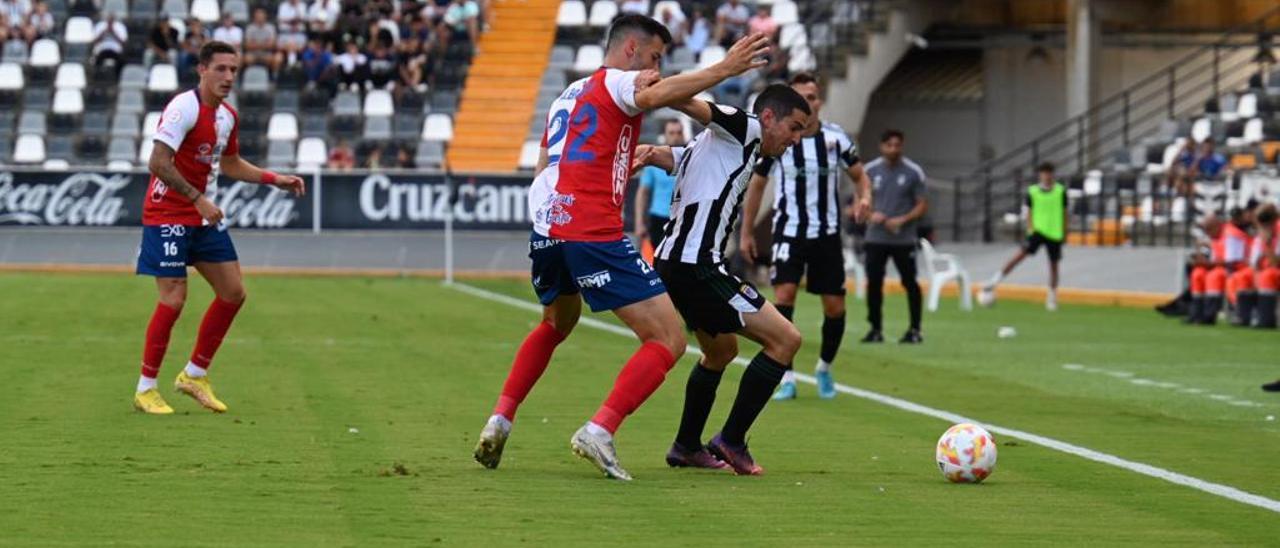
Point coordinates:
pixel 214 47
pixel 780 99
pixel 670 121
pixel 804 78
pixel 1266 214
pixel 634 22
pixel 1044 167
pixel 892 134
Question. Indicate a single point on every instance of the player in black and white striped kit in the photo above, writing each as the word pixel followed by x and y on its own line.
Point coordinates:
pixel 806 225
pixel 712 174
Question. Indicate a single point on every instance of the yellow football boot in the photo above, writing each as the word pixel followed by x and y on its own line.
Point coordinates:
pixel 151 403
pixel 200 390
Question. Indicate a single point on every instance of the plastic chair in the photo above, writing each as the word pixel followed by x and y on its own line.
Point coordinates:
pixel 602 13
pixel 572 13
pixel 942 268
pixel 312 153
pixel 437 127
pixel 529 155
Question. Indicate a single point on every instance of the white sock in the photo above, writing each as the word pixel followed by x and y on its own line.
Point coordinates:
pixel 501 422
pixel 597 430
pixel 145 383
pixel 789 377
pixel 822 367
pixel 194 371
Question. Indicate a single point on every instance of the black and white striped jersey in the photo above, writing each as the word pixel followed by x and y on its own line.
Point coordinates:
pixel 712 173
pixel 807 183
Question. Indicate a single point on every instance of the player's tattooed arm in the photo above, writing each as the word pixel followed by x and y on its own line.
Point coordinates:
pixel 161 164
pixel 238 168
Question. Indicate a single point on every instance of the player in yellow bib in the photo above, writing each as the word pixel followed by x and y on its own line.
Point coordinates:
pixel 1046 225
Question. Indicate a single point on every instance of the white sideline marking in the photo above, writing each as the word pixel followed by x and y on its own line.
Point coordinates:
pixel 1224 491
pixel 1229 400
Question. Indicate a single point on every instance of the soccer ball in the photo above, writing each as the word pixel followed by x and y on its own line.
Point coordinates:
pixel 966 454
pixel 986 297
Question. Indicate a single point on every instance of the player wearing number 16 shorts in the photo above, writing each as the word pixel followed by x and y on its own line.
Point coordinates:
pixel 195 140
pixel 578 249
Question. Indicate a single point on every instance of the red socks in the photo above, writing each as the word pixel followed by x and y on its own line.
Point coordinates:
pixel 158 330
pixel 531 360
pixel 638 380
pixel 214 326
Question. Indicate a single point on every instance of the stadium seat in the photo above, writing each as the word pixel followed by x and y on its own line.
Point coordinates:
pixel 444 102
pixel 377 128
pixel 33 122
pixel 573 13
pixel 284 100
pixel 312 153
pixel 118 7
pixel 120 150
pixel 430 155
pixel 590 57
pixel 144 10
pixel 1202 129
pixel 45 54
pixel 55 164
pixel 163 78
pixel 130 101
pixel 379 103
pixel 133 77
pixel 239 10
pixel 710 56
pixel 602 13
pixel 1248 106
pixel 125 125
pixel 437 127
pixel 206 11
pixel 29 149
pixel 11 81
pixel 176 9
pixel 801 59
pixel 60 147
pixel 180 25
pixel 406 126
pixel 682 59
pixel 529 154
pixel 941 269
pixel 314 126
pixel 1253 131
pixel 553 79
pixel 792 35
pixel 282 127
pixel 96 122
pixel 68 101
pixel 15 51
pixel 79 30
pixel 149 124
pixel 785 13
pixel 144 151
pixel 346 127
pixel 256 80
pixel 280 154
pixel 117 166
pixel 90 150
pixel 561 58
pixel 346 104
pixel 70 76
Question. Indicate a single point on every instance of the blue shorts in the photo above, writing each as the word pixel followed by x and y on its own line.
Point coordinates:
pixel 167 250
pixel 609 275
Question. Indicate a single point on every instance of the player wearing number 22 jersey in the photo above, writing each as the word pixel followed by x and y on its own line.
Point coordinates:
pixel 577 248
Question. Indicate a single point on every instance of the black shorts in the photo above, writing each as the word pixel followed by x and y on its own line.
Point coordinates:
pixel 1036 239
pixel 822 259
pixel 709 298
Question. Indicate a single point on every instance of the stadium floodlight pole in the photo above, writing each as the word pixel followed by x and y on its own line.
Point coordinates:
pixel 448 224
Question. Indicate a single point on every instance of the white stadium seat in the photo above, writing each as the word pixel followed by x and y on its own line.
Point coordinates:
pixel 149 125
pixel 68 101
pixel 573 13
pixel 312 153
pixel 710 56
pixel 163 77
pixel 1202 128
pixel 282 127
pixel 29 149
pixel 590 57
pixel 70 76
pixel 56 164
pixel 144 151
pixel 79 31
pixel 529 154
pixel 1253 133
pixel 378 103
pixel 784 13
pixel 45 53
pixel 119 165
pixel 792 35
pixel 11 77
pixel 602 13
pixel 1247 107
pixel 437 127
pixel 176 9
pixel 206 11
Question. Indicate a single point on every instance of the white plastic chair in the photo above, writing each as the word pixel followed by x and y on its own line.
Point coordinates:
pixel 437 127
pixel 792 35
pixel 312 153
pixel 282 127
pixel 573 13
pixel 590 57
pixel 942 268
pixel 163 78
pixel 529 155
pixel 149 125
pixel 79 30
pixel 602 13
pixel 11 78
pixel 710 56
pixel 68 101
pixel 29 149
pixel 784 12
pixel 55 164
pixel 144 151
pixel 378 103
pixel 1248 106
pixel 207 11
pixel 70 76
pixel 45 53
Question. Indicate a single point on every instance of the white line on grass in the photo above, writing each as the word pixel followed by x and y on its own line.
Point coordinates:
pixel 1229 400
pixel 1224 491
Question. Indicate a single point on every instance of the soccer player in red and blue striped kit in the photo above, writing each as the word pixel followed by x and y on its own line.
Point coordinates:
pixel 578 248
pixel 196 139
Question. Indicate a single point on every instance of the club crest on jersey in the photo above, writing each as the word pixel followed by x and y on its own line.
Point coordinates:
pixel 749 291
pixel 596 280
pixel 622 166
pixel 557 214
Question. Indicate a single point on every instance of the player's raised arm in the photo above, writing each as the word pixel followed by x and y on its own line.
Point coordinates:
pixel 161 164
pixel 748 53
pixel 238 168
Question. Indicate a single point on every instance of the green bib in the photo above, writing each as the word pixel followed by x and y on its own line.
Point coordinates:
pixel 1048 211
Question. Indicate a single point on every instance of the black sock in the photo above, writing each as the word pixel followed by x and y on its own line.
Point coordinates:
pixel 914 303
pixel 699 395
pixel 832 334
pixel 787 311
pixel 757 385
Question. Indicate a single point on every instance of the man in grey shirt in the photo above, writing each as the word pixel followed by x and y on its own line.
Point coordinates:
pixel 898 202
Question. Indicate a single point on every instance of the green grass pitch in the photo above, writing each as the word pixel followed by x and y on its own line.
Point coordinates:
pixel 355 404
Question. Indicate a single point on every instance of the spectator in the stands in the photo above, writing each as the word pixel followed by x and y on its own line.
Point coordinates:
pixel 413 58
pixel 191 44
pixel 341 157
pixel 260 42
pixel 109 38
pixel 673 18
pixel 323 15
pixel 381 31
pixel 763 22
pixel 15 12
pixel 460 22
pixel 229 31
pixel 404 158
pixel 352 66
pixel 699 32
pixel 291 19
pixel 84 8
pixel 39 23
pixel 1209 163
pixel 316 62
pixel 633 6
pixel 374 159
pixel 1177 173
pixel 731 22
pixel 162 43
pixel 382 66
